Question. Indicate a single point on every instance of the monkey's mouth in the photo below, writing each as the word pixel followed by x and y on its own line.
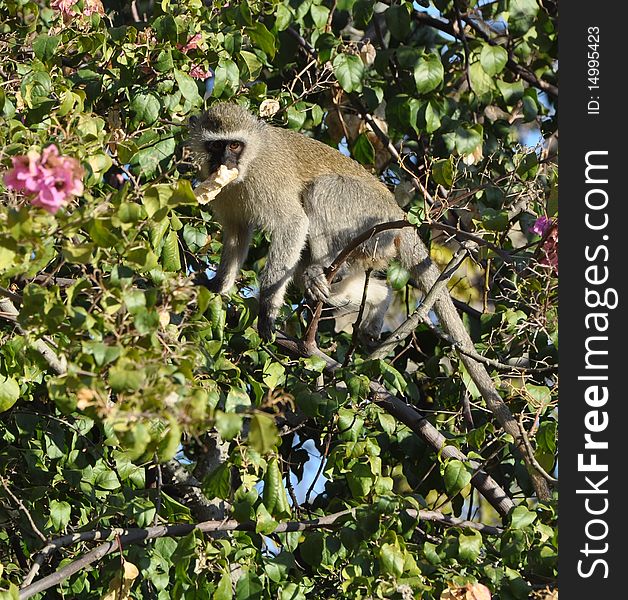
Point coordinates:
pixel 216 167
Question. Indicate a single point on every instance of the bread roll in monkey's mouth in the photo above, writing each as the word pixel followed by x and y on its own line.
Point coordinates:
pixel 210 188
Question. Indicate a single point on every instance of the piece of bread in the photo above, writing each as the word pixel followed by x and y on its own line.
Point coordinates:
pixel 210 188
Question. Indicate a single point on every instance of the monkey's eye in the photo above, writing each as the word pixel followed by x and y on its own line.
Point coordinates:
pixel 235 146
pixel 214 145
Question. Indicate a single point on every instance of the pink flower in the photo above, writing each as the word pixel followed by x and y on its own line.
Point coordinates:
pixel 192 43
pixel 53 178
pixel 541 225
pixel 25 173
pixel 66 7
pixel 198 72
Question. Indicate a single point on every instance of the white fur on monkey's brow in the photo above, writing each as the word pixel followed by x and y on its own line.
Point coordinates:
pixel 238 136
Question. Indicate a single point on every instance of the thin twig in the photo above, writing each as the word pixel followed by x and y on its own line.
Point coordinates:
pixel 358 320
pixel 491 362
pixel 537 466
pixel 23 508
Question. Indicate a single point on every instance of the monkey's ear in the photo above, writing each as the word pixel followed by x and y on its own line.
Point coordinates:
pixel 193 122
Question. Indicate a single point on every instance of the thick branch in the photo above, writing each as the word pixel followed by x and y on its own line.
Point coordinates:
pixel 128 537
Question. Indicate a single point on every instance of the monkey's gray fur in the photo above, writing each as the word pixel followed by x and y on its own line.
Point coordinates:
pixel 313 201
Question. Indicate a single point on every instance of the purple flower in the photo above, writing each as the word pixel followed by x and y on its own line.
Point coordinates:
pixel 541 225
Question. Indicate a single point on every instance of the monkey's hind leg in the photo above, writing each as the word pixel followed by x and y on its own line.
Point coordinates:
pixel 287 243
pixel 347 296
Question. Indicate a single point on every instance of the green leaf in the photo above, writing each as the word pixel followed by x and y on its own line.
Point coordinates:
pixel 146 108
pixel 60 513
pixel 164 62
pixel 249 587
pixel 521 16
pixel 468 138
pixel 397 275
pixel 228 424
pixel 363 150
pixel 263 39
pixel 470 546
pixel 226 78
pixel 511 92
pixel 481 82
pixel 363 13
pixel 348 70
pixel 320 14
pixel 194 237
pixel 493 59
pixel 125 376
pixel 457 476
pixel 402 112
pixel 428 73
pixel 170 256
pixel 9 392
pixel 188 87
pixel 283 17
pixel 150 158
pixel 495 220
pixel 165 28
pixel 78 253
pixel 45 46
pixel 107 480
pixel 398 21
pixel 264 522
pixel 253 64
pixel 218 483
pixel 224 590
pixel 360 480
pixel 443 172
pixel 170 440
pixel 237 400
pixel 521 517
pixel 432 117
pixel 274 495
pixel 263 434
pixel 391 559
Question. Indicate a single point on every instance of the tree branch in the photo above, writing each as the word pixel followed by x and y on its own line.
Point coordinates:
pixel 127 537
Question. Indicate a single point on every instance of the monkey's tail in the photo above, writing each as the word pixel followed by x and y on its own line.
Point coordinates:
pixel 415 257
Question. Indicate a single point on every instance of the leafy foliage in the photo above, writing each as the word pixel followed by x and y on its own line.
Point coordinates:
pixel 113 362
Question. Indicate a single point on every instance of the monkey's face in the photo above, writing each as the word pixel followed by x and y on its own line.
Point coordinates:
pixel 223 152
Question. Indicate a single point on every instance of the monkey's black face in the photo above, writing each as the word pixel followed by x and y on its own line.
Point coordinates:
pixel 223 152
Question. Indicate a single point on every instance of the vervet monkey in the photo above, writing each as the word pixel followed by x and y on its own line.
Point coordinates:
pixel 313 201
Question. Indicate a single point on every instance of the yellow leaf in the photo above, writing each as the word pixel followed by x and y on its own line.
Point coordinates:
pixel 120 586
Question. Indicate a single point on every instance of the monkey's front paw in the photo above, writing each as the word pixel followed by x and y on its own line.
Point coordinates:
pixel 315 282
pixel 266 328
